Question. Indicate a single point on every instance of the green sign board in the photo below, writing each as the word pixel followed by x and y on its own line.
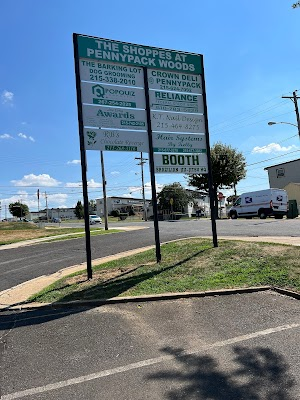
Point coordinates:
pixel 133 54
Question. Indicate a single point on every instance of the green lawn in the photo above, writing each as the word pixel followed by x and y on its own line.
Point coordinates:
pixel 14 232
pixel 187 265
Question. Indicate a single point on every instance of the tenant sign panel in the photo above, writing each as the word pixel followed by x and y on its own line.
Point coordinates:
pixel 180 163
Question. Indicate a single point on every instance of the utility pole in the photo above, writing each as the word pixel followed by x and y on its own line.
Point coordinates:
pixel 295 98
pixel 143 161
pixel 104 191
pixel 47 206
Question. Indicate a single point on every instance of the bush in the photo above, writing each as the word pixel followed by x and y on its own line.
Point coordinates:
pixel 123 216
pixel 115 213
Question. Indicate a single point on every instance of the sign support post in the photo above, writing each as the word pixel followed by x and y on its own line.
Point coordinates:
pixel 83 163
pixel 209 167
pixel 152 173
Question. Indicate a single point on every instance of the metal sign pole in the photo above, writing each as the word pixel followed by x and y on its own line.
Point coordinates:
pixel 209 167
pixel 83 162
pixel 151 165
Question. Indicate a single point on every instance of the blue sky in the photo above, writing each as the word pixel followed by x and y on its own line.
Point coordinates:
pixel 251 56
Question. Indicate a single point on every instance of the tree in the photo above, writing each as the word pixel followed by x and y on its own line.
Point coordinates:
pixel 295 5
pixel 79 211
pixel 228 168
pixel 173 197
pixel 18 209
pixel 92 206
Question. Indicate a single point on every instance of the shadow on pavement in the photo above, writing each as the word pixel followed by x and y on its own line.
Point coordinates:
pixel 258 374
pixel 104 290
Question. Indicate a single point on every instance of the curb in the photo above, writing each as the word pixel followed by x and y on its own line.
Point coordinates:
pixel 138 299
pixel 286 292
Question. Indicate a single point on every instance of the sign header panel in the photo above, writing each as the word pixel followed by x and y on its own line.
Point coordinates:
pixel 143 56
pixel 115 118
pixel 114 74
pixel 178 143
pixel 178 102
pixel 115 96
pixel 114 140
pixel 174 81
pixel 176 122
pixel 180 163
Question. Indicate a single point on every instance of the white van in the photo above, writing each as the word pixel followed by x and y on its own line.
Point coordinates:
pixel 262 204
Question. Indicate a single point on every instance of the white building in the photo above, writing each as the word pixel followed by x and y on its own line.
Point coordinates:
pixel 62 213
pixel 198 206
pixel 123 204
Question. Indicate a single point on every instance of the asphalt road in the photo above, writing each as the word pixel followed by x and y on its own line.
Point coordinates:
pixel 24 263
pixel 219 348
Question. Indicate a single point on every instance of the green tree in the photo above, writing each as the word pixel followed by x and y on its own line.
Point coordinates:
pixel 79 210
pixel 228 168
pixel 18 209
pixel 173 197
pixel 92 206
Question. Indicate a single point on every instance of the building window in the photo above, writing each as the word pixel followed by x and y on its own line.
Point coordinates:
pixel 280 172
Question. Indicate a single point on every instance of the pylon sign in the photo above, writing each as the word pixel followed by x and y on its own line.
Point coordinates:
pixel 114 111
pixel 143 99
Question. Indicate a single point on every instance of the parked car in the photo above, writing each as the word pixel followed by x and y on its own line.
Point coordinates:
pixel 95 219
pixel 56 220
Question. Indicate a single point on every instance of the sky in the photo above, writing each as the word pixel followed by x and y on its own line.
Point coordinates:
pixel 251 59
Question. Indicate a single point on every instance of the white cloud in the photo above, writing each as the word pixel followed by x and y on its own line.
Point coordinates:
pixel 91 184
pixel 136 191
pixel 6 136
pixel 75 162
pixel 272 148
pixel 7 97
pixel 57 198
pixel 23 136
pixel 73 184
pixel 31 200
pixel 115 173
pixel 127 195
pixel 44 180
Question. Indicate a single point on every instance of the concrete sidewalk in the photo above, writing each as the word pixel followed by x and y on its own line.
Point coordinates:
pixel 20 293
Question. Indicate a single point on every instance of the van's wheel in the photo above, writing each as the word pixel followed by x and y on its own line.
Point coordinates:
pixel 233 215
pixel 262 214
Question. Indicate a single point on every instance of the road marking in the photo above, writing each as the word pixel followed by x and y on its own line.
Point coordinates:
pixel 144 363
pixel 26 258
pixel 40 263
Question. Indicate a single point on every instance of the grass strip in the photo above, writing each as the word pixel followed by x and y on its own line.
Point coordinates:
pixel 187 265
pixel 17 232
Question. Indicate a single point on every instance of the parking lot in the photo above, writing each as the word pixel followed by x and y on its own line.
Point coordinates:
pixel 242 346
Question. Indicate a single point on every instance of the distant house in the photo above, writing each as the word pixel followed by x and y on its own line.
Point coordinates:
pixel 198 206
pixel 123 204
pixel 280 175
pixel 286 176
pixel 62 213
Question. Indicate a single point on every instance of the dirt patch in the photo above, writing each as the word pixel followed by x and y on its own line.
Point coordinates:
pixel 12 236
pixel 100 276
